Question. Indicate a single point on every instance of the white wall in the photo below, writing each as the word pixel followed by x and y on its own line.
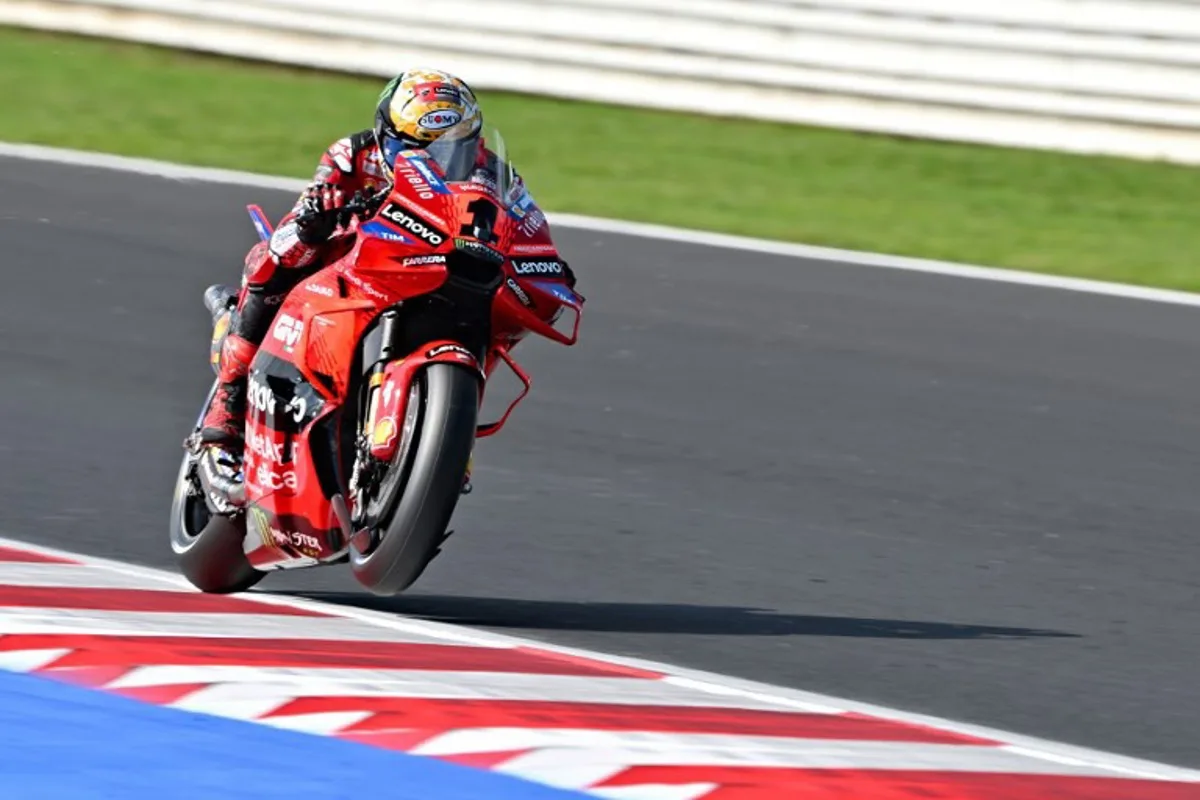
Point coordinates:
pixel 1103 76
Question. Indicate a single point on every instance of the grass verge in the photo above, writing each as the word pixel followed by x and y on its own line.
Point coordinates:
pixel 1105 218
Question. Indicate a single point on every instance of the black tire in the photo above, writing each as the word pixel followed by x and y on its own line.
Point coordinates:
pixel 209 547
pixel 441 444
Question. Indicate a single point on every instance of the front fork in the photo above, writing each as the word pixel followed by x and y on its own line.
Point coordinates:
pixel 380 436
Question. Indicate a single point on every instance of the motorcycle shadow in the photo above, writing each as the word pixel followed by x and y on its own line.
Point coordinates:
pixel 602 617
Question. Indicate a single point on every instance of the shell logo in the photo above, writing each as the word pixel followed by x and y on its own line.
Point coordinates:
pixel 385 431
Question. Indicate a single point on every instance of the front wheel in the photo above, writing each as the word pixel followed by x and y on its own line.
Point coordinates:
pixel 428 474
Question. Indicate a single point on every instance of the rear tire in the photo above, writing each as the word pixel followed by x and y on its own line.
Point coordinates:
pixel 441 445
pixel 209 546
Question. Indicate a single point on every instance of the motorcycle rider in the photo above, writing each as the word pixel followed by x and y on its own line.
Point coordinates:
pixel 416 108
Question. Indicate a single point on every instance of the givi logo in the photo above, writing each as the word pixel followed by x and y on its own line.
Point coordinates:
pixel 287 330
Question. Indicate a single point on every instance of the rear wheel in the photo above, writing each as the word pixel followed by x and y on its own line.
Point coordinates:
pixel 417 496
pixel 209 546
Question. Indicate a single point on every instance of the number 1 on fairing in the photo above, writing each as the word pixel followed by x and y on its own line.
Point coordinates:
pixel 483 219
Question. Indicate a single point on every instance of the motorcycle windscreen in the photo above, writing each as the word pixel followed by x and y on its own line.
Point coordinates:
pixel 482 157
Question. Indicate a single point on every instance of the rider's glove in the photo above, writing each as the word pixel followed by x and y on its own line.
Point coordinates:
pixel 320 212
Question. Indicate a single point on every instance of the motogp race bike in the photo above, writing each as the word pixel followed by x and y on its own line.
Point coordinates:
pixel 363 401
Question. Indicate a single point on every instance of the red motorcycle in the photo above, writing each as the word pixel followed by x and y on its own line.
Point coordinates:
pixel 363 401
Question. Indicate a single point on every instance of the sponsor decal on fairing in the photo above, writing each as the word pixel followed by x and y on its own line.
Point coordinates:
pixel 479 250
pixel 435 181
pixel 535 249
pixel 287 330
pixel 421 261
pixel 364 286
pixel 268 478
pixel 411 167
pixel 459 352
pixel 381 231
pixel 261 445
pixel 412 223
pixel 545 266
pixel 519 292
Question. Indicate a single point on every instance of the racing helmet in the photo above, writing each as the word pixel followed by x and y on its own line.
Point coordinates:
pixel 430 110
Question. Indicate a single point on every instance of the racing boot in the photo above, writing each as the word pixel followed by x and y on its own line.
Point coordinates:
pixel 224 423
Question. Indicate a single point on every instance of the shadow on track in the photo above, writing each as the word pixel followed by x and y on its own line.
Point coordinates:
pixel 500 612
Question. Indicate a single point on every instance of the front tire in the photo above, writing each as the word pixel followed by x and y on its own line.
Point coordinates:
pixel 440 446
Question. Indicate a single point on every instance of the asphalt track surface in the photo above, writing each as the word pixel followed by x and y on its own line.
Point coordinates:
pixel 956 497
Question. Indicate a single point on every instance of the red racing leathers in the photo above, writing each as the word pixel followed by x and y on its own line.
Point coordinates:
pixel 297 249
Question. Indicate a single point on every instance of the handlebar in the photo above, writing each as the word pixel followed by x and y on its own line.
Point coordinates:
pixel 359 205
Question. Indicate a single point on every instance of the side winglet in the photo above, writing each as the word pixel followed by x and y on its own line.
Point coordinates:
pixel 260 222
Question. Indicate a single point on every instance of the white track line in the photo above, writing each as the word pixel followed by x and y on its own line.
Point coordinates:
pixel 182 172
pixel 85 622
pixel 558 748
pixel 712 683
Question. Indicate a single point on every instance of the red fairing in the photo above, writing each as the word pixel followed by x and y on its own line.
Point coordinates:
pixel 301 375
pixel 390 403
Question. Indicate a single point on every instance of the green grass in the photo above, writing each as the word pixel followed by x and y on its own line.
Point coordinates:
pixel 1095 217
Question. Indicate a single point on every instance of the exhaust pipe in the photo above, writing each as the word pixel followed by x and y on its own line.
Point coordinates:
pixel 218 299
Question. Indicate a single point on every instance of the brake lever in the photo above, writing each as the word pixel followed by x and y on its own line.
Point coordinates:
pixel 360 206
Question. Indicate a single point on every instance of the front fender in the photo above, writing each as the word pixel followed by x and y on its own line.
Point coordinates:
pixel 391 387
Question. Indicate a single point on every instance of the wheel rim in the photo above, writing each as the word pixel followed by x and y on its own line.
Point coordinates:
pixel 398 470
pixel 189 512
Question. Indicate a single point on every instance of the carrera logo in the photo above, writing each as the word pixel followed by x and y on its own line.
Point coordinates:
pixel 540 267
pixel 420 261
pixel 440 120
pixel 413 224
